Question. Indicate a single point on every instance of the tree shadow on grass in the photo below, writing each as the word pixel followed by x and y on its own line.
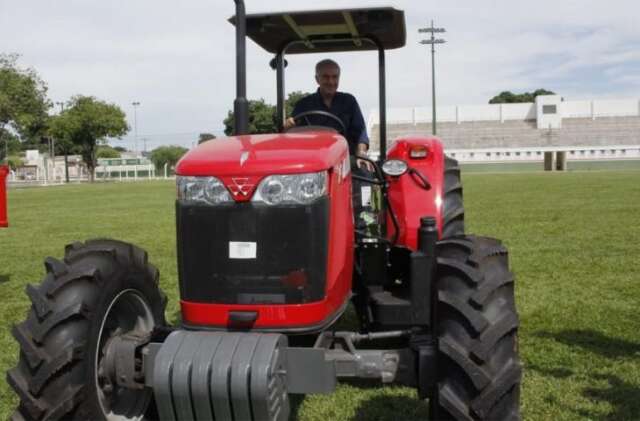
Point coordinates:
pixel 4 278
pixel 391 408
pixel 595 341
pixel 624 397
pixel 557 372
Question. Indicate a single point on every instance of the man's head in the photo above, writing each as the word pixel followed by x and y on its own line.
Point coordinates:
pixel 328 77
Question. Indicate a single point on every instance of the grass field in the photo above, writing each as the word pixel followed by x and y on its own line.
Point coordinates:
pixel 574 243
pixel 572 165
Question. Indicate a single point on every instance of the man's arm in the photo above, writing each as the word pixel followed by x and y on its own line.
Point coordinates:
pixel 358 125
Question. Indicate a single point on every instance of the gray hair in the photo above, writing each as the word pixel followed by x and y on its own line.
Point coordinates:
pixel 324 63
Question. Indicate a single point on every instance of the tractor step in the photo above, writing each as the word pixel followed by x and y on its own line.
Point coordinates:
pixel 391 310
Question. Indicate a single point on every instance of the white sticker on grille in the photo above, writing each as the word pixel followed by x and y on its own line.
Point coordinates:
pixel 242 250
pixel 366 195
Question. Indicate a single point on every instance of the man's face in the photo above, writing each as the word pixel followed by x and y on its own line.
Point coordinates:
pixel 328 78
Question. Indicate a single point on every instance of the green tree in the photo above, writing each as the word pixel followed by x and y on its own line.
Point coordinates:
pixel 106 151
pixel 167 155
pixel 262 116
pixel 292 100
pixel 508 97
pixel 15 162
pixel 86 123
pixel 23 101
pixel 203 137
pixel 60 128
pixel 11 143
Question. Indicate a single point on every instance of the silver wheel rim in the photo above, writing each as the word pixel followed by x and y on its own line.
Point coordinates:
pixel 128 312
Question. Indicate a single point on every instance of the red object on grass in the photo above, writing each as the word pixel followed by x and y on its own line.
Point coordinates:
pixel 4 170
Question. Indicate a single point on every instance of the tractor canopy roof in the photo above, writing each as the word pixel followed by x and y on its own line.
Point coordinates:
pixel 320 31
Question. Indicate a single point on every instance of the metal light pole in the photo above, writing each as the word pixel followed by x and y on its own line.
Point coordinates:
pixel 433 41
pixel 135 124
pixel 66 152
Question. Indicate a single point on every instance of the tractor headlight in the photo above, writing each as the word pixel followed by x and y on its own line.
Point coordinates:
pixel 394 167
pixel 202 190
pixel 295 188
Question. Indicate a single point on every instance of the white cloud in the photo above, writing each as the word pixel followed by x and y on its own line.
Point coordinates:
pixel 178 59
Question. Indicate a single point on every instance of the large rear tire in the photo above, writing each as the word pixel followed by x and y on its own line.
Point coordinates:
pixel 476 322
pixel 452 204
pixel 102 289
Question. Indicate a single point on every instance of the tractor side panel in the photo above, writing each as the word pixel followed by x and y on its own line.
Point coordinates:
pixel 341 236
pixel 409 200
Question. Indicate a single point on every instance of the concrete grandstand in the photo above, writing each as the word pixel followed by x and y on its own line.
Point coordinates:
pixel 579 130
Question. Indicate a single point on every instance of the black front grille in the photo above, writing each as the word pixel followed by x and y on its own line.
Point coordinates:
pixel 291 253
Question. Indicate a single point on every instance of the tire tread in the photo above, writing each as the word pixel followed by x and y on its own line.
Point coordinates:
pixel 64 304
pixel 452 200
pixel 478 372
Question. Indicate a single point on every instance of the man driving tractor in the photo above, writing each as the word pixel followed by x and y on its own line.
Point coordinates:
pixel 341 104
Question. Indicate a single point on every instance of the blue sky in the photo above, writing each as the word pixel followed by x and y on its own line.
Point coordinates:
pixel 177 58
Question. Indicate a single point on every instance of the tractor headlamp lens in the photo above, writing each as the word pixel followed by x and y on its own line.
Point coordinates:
pixel 272 191
pixel 394 167
pixel 294 188
pixel 202 190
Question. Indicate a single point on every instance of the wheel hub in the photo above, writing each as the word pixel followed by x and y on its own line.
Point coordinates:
pixel 125 329
pixel 121 363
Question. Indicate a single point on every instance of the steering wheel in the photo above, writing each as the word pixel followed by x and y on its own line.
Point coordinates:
pixel 303 117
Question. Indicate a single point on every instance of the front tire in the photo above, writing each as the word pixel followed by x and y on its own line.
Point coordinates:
pixel 476 322
pixel 102 289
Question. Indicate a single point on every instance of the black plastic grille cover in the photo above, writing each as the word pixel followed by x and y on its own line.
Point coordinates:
pixel 291 253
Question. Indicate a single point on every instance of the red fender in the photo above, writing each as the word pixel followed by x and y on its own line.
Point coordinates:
pixel 408 199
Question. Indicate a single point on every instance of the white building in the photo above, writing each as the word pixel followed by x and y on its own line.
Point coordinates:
pixel 585 130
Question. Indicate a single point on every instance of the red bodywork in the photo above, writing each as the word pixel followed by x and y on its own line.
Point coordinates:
pixel 408 200
pixel 4 170
pixel 241 162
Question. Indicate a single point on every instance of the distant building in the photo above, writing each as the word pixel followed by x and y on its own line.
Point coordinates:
pixel 42 168
pixel 584 130
pixel 128 166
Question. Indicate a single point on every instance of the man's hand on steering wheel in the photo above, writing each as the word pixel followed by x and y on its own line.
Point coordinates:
pixel 289 123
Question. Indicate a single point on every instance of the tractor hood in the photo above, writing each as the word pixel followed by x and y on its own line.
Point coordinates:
pixel 257 155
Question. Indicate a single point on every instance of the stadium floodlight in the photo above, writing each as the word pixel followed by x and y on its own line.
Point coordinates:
pixel 432 41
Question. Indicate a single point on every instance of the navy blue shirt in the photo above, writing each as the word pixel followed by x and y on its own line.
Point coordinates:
pixel 345 107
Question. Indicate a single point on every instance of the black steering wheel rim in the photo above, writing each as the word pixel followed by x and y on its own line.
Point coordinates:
pixel 332 116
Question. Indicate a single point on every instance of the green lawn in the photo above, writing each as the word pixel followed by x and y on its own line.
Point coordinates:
pixel 574 243
pixel 572 165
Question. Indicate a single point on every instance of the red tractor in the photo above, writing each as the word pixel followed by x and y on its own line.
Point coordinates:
pixel 272 249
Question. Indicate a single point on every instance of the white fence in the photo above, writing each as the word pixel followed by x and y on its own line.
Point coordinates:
pixel 503 112
pixel 600 108
pixel 489 155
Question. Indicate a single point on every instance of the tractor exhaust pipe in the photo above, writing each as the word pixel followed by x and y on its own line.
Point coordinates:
pixel 241 105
